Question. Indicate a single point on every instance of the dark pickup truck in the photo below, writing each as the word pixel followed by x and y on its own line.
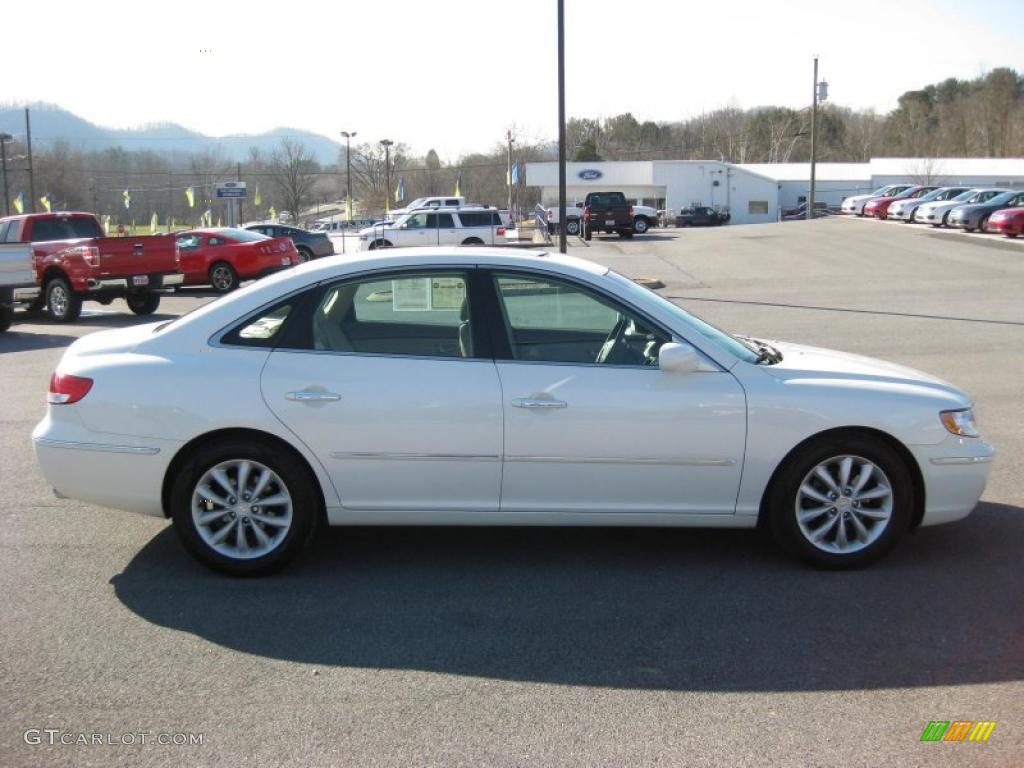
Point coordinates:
pixel 701 216
pixel 607 212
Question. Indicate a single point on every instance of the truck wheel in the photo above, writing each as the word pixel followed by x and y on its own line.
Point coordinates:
pixel 143 303
pixel 572 227
pixel 223 277
pixel 64 304
pixel 587 233
pixel 6 317
pixel 627 233
pixel 640 225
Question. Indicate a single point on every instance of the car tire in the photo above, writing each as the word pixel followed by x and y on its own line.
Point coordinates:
pixel 241 541
pixel 588 233
pixel 304 255
pixel 868 517
pixel 982 224
pixel 223 278
pixel 143 303
pixel 6 317
pixel 472 241
pixel 379 244
pixel 640 225
pixel 65 306
pixel 572 227
pixel 945 220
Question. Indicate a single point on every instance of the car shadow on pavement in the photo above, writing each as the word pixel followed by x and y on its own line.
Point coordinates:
pixel 668 609
pixel 26 341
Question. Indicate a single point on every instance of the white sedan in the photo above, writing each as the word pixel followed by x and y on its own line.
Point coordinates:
pixel 485 387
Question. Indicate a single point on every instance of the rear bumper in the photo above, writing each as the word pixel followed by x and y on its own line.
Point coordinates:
pixel 153 282
pixel 955 473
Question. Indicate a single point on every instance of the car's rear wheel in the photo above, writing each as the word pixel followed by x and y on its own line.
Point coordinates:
pixel 945 219
pixel 379 244
pixel 842 501
pixel 572 227
pixel 143 303
pixel 588 232
pixel 64 304
pixel 304 254
pixel 223 277
pixel 983 224
pixel 472 241
pixel 640 225
pixel 243 507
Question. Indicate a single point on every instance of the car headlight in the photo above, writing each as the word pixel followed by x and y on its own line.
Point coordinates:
pixel 960 422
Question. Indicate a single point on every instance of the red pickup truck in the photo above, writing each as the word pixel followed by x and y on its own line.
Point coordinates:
pixel 75 261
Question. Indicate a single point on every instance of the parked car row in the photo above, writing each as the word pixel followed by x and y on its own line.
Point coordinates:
pixel 74 261
pixel 984 209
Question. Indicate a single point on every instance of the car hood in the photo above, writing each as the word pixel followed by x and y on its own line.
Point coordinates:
pixel 858 198
pixel 939 205
pixel 803 362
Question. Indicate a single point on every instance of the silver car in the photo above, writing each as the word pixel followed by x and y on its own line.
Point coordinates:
pixel 906 210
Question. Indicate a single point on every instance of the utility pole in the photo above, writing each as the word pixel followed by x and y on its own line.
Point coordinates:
pixel 238 170
pixel 508 172
pixel 348 136
pixel 814 139
pixel 562 243
pixel 4 138
pixel 387 143
pixel 31 171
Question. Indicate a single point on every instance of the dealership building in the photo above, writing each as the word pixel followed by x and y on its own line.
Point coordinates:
pixel 758 192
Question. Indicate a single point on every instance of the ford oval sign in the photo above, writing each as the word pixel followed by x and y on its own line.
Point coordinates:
pixel 590 174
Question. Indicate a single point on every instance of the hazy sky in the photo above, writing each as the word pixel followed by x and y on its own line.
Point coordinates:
pixel 454 74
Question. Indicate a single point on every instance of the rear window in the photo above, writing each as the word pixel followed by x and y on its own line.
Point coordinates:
pixel 607 200
pixel 48 230
pixel 241 235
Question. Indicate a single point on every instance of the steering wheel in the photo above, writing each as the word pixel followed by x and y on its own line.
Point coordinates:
pixel 615 344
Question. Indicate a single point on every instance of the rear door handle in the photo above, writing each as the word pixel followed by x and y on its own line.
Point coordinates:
pixel 306 396
pixel 539 402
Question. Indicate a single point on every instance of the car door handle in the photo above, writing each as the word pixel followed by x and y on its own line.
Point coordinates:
pixel 306 396
pixel 538 402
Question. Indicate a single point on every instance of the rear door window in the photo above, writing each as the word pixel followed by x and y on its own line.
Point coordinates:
pixel 49 230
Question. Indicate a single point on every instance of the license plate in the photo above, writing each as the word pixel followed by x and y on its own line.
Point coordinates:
pixel 609 222
pixel 140 280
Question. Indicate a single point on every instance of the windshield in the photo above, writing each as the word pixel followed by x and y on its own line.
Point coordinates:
pixel 967 194
pixel 718 337
pixel 1005 197
pixel 241 235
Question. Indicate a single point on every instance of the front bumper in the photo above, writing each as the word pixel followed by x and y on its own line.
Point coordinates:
pixel 955 473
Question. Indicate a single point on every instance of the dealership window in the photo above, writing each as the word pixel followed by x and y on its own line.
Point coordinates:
pixel 757 207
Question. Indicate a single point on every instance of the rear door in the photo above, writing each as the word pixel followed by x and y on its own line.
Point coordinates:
pixel 384 378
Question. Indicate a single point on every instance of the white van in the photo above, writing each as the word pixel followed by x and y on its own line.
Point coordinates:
pixel 457 226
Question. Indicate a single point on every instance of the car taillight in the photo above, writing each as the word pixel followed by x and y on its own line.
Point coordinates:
pixel 90 254
pixel 501 231
pixel 586 213
pixel 65 388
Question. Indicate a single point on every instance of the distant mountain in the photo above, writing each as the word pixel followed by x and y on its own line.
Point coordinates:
pixel 50 122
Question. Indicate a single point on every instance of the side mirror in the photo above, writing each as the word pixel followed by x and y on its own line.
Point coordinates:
pixel 674 357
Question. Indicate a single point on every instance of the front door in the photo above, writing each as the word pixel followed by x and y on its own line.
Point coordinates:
pixel 592 424
pixel 385 389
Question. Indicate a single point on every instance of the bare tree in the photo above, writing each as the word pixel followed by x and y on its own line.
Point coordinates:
pixel 292 173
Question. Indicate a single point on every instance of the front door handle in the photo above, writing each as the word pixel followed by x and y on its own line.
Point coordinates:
pixel 539 402
pixel 307 396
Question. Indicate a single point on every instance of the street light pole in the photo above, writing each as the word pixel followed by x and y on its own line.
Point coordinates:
pixel 348 136
pixel 562 243
pixel 387 144
pixel 508 172
pixel 814 140
pixel 4 138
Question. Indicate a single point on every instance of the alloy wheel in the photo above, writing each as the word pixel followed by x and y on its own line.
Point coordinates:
pixel 241 509
pixel 844 504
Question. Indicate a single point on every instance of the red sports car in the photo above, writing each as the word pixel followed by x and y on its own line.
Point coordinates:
pixel 1009 221
pixel 222 256
pixel 879 207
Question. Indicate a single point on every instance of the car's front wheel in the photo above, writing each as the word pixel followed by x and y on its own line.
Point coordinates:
pixel 640 225
pixel 572 227
pixel 243 508
pixel 64 304
pixel 842 501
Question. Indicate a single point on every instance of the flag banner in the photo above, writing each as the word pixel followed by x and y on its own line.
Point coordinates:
pixel 19 202
pixel 273 213
pixel 46 202
pixel 106 224
pixel 458 185
pixel 515 173
pixel 190 195
pixel 154 224
pixel 257 199
pixel 400 190
pixel 127 195
pixel 219 222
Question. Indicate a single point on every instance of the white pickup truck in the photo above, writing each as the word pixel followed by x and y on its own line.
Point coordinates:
pixel 644 217
pixel 17 270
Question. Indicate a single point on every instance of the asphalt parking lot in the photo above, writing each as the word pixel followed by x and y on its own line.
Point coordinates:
pixel 553 647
